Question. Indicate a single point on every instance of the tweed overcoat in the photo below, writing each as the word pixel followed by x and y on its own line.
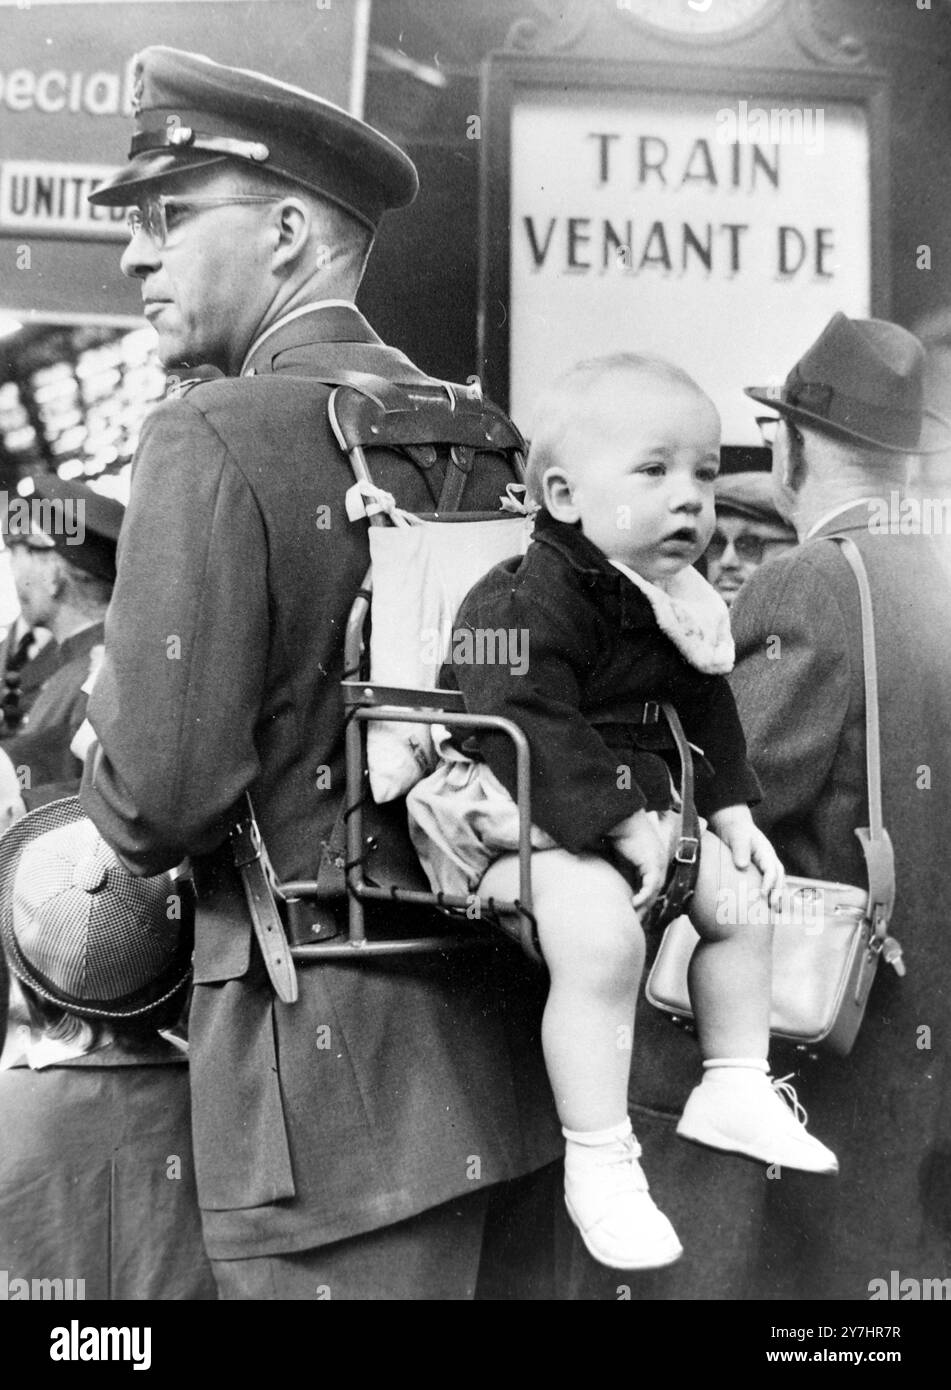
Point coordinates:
pixel 387 1088
pixel 800 691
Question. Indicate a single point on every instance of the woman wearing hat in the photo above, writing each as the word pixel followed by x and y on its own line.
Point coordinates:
pixel 96 1171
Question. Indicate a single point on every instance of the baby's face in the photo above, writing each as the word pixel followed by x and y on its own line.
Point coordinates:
pixel 643 467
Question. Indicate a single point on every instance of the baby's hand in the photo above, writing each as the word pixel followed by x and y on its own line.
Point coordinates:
pixel 735 827
pixel 637 840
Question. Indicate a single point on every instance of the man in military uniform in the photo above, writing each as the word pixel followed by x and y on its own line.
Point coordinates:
pixel 64 576
pixel 366 1168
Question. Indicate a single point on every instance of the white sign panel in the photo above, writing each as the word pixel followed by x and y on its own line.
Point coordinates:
pixel 722 235
pixel 40 196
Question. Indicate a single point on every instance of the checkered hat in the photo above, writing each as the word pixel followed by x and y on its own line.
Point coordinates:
pixel 79 929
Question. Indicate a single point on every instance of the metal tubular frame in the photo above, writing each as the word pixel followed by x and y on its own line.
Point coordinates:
pixel 367 701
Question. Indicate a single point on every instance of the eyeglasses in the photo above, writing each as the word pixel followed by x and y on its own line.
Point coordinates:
pixel 769 426
pixel 159 216
pixel 748 547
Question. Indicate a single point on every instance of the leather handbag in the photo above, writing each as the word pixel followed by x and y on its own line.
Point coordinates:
pixel 829 937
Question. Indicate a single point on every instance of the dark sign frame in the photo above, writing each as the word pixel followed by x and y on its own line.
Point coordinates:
pixel 505 76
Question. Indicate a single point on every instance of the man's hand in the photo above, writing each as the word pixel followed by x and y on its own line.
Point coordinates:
pixel 735 827
pixel 11 802
pixel 638 841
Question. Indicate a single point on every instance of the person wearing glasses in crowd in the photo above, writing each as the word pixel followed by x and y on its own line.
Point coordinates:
pixel 380 1164
pixel 749 530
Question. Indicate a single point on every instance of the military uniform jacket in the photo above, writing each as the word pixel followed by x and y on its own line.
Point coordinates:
pixel 365 1101
pixel 21 687
pixel 800 691
pixel 40 749
pixel 594 655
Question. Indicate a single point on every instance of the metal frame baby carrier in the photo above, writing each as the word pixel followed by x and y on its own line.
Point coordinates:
pixel 426 423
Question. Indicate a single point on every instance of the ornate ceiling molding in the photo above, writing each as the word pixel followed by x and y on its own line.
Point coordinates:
pixel 560 25
pixel 838 49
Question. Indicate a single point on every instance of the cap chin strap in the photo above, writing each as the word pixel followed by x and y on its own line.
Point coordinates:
pixel 186 137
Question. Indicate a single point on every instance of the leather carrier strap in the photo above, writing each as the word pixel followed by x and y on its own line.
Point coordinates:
pixel 874 838
pixel 681 881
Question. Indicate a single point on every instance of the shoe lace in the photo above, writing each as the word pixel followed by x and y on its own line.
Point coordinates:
pixel 629 1163
pixel 783 1087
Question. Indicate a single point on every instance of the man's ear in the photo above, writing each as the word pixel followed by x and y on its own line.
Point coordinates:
pixel 56 575
pixel 558 494
pixel 788 463
pixel 289 230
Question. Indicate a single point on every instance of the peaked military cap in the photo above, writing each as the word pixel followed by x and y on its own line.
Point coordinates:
pixel 191 113
pixel 71 518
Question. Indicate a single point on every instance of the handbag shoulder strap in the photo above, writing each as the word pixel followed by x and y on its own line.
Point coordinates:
pixel 874 839
pixel 870 665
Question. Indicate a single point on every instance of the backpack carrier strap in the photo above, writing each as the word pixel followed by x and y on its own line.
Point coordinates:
pixel 681 881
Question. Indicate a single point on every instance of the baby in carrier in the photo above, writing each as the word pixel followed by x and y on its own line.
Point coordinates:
pixel 609 618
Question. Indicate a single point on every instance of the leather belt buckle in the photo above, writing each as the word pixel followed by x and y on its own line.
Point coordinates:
pixel 650 712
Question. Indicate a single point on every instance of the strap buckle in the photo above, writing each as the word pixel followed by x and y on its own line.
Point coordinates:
pixel 650 712
pixel 246 843
pixel 688 849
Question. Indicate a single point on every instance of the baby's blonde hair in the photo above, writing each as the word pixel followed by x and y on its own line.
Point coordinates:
pixel 562 404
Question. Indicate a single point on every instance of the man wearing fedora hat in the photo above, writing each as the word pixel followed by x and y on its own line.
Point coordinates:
pixel 62 545
pixel 361 1139
pixel 850 421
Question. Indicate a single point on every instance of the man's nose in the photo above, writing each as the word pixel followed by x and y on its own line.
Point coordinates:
pixel 729 559
pixel 141 257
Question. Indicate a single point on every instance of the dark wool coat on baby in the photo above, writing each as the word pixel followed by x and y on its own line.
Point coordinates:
pixel 592 654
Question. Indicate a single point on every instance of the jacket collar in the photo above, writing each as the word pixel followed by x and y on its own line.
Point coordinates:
pixel 333 321
pixel 592 566
pixel 81 642
pixel 322 344
pixel 851 516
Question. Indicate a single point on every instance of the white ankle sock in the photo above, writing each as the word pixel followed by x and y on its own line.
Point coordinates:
pixel 735 1071
pixel 597 1138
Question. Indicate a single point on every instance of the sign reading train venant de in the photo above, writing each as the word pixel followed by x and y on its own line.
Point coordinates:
pixel 717 232
pixel 66 88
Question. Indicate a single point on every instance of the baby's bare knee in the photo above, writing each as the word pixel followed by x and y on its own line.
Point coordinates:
pixel 737 908
pixel 588 920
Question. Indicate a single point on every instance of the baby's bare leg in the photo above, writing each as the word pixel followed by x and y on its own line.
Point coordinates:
pixel 735 1107
pixel 593 945
pixel 730 974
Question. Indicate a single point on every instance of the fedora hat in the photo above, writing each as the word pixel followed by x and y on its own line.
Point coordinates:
pixel 863 380
pixel 81 931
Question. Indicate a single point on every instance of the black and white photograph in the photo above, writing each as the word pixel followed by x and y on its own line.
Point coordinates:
pixel 529 409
